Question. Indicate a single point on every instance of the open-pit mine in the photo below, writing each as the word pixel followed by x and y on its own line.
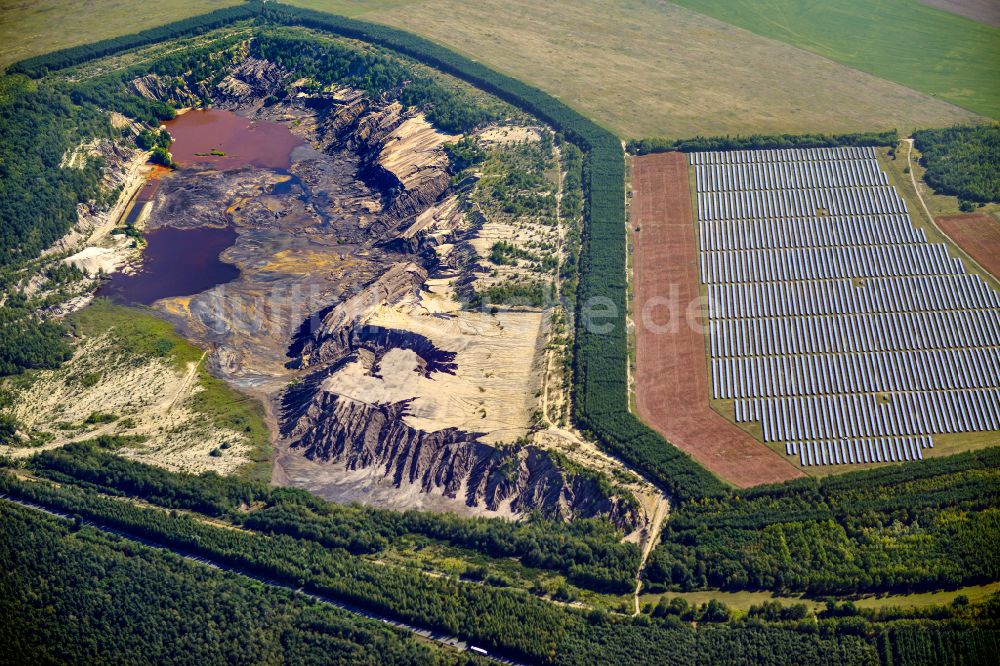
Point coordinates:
pixel 399 316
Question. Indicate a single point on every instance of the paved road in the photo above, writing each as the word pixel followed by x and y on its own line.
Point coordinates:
pixel 437 636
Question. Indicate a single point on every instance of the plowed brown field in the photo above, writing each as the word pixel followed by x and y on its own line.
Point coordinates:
pixel 979 235
pixel 671 369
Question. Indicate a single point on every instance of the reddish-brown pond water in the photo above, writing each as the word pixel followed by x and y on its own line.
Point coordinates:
pixel 177 262
pixel 198 134
pixel 186 262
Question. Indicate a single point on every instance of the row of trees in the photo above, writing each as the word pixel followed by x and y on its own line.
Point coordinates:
pixel 762 142
pixel 571 209
pixel 41 65
pixel 588 551
pixel 962 161
pixel 905 528
pixel 506 621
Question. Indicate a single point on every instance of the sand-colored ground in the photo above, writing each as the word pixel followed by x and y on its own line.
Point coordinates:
pixel 521 235
pixel 524 232
pixel 90 245
pixel 507 134
pixel 413 152
pixel 497 376
pixel 149 399
pixel 108 259
pixel 671 372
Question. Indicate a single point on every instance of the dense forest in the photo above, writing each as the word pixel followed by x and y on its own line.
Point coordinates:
pixel 506 621
pixel 83 596
pixel 28 343
pixel 962 161
pixel 39 126
pixel 761 142
pixel 904 528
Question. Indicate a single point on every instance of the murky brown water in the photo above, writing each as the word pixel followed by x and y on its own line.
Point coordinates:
pixel 185 262
pixel 177 262
pixel 197 133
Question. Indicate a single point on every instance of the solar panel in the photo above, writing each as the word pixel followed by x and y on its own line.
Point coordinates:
pixel 836 311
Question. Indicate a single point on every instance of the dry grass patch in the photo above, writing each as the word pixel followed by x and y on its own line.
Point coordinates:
pixel 653 68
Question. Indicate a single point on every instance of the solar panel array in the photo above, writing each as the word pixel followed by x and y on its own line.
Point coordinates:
pixel 834 322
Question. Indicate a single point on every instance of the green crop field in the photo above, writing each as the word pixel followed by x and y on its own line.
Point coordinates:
pixel 639 67
pixel 927 49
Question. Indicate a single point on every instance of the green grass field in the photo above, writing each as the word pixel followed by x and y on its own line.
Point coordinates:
pixel 927 49
pixel 741 601
pixel 640 68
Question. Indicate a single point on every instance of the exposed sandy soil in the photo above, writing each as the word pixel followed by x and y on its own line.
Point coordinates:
pixel 497 375
pixel 93 245
pixel 518 233
pixel 984 11
pixel 109 259
pixel 671 370
pixel 978 234
pixel 413 152
pixel 507 134
pixel 152 393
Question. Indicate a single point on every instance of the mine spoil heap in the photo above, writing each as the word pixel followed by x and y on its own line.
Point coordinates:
pixel 368 243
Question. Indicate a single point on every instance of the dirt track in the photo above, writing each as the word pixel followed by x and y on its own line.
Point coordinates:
pixel 671 371
pixel 978 234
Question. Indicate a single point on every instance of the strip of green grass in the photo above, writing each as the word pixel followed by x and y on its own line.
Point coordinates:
pixel 921 47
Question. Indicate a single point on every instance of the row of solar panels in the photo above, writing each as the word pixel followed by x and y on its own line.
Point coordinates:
pixel 832 297
pixel 854 333
pixel 788 175
pixel 809 232
pixel 858 451
pixel 869 415
pixel 826 263
pixel 814 374
pixel 802 253
pixel 760 204
pixel 782 155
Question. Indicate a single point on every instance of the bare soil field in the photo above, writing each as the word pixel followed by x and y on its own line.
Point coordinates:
pixel 671 371
pixel 984 11
pixel 978 234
